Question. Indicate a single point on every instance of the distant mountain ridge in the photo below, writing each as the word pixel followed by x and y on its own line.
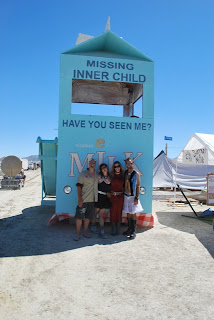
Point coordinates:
pixel 30 158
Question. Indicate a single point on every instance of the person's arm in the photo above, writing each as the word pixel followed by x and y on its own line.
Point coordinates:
pixel 137 189
pixel 79 192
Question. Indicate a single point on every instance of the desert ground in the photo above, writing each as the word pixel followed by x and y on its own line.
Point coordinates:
pixel 166 272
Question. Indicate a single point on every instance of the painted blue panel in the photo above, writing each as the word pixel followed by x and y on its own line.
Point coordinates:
pixel 106 69
pixel 90 68
pixel 106 139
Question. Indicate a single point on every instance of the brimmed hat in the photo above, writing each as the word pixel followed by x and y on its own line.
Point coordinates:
pixel 129 159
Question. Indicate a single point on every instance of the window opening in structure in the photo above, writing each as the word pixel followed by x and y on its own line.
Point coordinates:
pixel 106 98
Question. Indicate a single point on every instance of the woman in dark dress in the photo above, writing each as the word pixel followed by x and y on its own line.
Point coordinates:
pixel 117 182
pixel 104 189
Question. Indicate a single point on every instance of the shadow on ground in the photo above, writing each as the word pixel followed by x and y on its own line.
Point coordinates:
pixel 27 234
pixel 203 231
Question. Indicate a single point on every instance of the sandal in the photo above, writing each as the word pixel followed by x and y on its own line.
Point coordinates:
pixel 87 236
pixel 76 238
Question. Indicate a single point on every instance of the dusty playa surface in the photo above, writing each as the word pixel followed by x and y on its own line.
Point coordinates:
pixel 167 272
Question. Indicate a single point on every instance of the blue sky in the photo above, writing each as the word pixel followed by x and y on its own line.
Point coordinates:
pixel 176 34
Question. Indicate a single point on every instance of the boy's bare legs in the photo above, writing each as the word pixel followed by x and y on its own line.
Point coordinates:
pixel 101 222
pixel 78 227
pixel 93 222
pixel 86 224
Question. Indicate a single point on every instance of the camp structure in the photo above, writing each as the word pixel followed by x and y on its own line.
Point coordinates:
pixel 191 167
pixel 102 70
pixel 198 150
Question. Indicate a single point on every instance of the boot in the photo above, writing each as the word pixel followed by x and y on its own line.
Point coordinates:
pixel 93 228
pixel 102 233
pixel 132 234
pixel 127 232
pixel 113 229
pixel 117 228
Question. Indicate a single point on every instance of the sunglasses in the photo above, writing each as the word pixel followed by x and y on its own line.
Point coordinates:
pixel 103 168
pixel 117 166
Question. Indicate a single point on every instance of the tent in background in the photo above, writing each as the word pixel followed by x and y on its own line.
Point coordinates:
pixel 191 167
pixel 167 173
pixel 162 172
pixel 198 150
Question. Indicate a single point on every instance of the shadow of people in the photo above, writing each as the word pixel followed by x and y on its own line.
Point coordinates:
pixel 28 234
pixel 179 221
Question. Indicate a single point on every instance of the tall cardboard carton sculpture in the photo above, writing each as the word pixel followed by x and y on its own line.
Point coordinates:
pixel 104 70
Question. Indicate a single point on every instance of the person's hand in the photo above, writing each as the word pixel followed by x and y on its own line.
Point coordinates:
pixel 80 202
pixel 108 194
pixel 135 202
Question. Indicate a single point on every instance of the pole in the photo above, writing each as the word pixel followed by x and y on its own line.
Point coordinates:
pixel 187 200
pixel 166 149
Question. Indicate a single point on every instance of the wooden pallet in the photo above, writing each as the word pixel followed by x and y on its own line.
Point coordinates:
pixel 180 202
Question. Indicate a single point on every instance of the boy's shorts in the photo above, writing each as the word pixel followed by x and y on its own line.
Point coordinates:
pixel 85 212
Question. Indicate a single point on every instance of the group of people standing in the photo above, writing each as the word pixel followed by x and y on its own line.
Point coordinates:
pixel 117 191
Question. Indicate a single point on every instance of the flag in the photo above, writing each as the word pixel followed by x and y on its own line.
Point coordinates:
pixel 168 138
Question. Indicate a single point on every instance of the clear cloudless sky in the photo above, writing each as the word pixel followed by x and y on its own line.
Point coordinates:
pixel 177 34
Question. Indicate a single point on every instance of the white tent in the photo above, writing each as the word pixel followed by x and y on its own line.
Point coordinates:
pixel 162 172
pixel 198 150
pixel 167 173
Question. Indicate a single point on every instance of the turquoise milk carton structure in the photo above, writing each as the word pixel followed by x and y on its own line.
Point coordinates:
pixel 103 70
